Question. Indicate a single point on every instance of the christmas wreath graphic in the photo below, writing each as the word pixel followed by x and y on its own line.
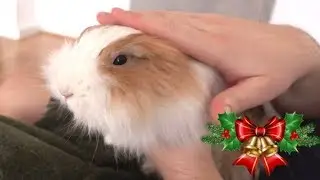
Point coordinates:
pixel 261 143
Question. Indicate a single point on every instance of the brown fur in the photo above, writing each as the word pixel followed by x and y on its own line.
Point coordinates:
pixel 154 67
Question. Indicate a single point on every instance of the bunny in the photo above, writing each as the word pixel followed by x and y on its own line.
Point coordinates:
pixel 138 91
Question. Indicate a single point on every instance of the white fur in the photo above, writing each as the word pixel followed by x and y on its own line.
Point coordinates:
pixel 74 68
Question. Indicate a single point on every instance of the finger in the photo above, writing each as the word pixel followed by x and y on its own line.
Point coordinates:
pixel 127 18
pixel 105 18
pixel 188 27
pixel 148 21
pixel 116 16
pixel 247 94
pixel 153 22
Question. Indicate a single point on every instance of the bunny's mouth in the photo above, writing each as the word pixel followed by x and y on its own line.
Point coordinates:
pixel 65 96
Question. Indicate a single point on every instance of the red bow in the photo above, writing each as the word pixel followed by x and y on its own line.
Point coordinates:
pixel 274 129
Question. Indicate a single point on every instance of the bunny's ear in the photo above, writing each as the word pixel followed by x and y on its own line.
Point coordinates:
pixel 89 29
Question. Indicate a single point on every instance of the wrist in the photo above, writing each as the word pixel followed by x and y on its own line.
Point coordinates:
pixel 189 163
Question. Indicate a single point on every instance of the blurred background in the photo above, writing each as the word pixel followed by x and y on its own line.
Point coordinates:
pixel 20 18
pixel 30 29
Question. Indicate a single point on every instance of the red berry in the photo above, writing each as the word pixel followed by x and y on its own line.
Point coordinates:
pixel 226 134
pixel 294 135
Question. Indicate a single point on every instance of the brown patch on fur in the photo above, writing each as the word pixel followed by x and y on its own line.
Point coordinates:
pixel 155 72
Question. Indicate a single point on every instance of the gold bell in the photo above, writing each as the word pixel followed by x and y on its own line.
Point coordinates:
pixel 252 147
pixel 268 147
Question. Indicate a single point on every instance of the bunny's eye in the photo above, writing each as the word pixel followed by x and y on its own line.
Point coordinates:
pixel 120 60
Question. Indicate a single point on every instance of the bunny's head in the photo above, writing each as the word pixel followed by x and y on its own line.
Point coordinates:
pixel 133 88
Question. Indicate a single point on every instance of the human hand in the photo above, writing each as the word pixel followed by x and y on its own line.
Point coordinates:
pixel 259 61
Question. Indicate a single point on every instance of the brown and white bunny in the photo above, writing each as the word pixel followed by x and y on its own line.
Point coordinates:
pixel 138 91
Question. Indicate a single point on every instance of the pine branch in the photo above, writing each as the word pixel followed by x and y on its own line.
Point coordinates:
pixel 304 136
pixel 212 140
pixel 307 129
pixel 215 135
pixel 215 129
pixel 308 141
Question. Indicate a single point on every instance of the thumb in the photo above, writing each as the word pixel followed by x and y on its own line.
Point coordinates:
pixel 247 94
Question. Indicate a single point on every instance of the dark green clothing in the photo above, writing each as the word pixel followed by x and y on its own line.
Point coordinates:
pixel 52 151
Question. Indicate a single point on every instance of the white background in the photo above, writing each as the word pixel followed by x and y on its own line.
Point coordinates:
pixel 304 14
pixel 70 17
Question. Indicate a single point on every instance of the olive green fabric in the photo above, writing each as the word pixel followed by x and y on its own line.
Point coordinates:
pixel 53 150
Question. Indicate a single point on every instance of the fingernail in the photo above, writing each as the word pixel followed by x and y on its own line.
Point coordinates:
pixel 227 109
pixel 116 10
pixel 103 14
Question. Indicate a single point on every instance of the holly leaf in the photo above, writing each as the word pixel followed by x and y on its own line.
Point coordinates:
pixel 227 120
pixel 293 121
pixel 232 143
pixel 288 145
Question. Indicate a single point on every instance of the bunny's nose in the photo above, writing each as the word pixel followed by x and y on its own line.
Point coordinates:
pixel 67 95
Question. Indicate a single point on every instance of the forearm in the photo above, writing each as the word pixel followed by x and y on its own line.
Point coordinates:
pixel 191 163
pixel 303 97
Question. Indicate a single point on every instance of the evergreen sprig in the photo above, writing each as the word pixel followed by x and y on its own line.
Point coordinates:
pixel 214 137
pixel 227 121
pixel 305 137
